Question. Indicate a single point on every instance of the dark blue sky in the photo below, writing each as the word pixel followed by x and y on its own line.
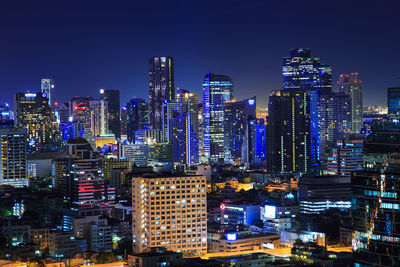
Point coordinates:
pixel 88 45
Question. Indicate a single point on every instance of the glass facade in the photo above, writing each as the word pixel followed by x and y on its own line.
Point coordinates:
pixel 217 89
pixel 375 203
pixel 393 100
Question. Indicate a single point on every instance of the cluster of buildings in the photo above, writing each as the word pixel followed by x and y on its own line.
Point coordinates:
pixel 177 177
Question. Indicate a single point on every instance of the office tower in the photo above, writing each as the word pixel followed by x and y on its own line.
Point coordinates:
pixel 137 117
pixel 79 109
pixel 351 85
pixel 189 103
pixel 79 175
pixel 47 86
pixel 111 97
pixel 184 139
pixel 318 194
pixel 164 214
pixel 393 100
pixel 35 115
pixel 257 143
pixel 303 72
pixel 289 135
pixel 346 156
pixel 71 130
pixel 62 112
pixel 13 147
pixel 335 118
pixel 162 87
pixel 376 204
pixel 236 117
pixel 217 89
pixel 98 111
pixel 124 120
pixel 201 132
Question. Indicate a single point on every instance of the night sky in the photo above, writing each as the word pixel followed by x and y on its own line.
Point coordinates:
pixel 88 45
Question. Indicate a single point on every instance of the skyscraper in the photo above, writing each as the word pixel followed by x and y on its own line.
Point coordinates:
pixel 111 97
pixel 13 147
pixel 137 117
pixel 217 89
pixel 303 72
pixel 288 135
pixel 162 87
pixel 237 115
pixel 376 204
pixel 177 220
pixel 257 143
pixel 35 115
pixel 189 103
pixel 99 117
pixel 79 109
pixel 47 87
pixel 352 85
pixel 393 100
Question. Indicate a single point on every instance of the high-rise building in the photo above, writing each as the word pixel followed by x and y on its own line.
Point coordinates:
pixel 289 138
pixel 98 117
pixel 303 72
pixel 35 115
pixel 376 204
pixel 137 117
pixel 217 89
pixel 164 214
pixel 80 176
pixel 346 156
pixel 335 118
pixel 162 87
pixel 47 86
pixel 13 169
pixel 79 110
pixel 189 103
pixel 393 100
pixel 5 113
pixel 237 115
pixel 351 85
pixel 257 143
pixel 111 97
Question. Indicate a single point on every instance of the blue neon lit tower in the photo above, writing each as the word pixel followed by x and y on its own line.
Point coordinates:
pixel 217 89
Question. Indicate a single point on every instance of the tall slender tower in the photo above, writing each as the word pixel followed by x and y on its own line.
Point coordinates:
pixel 111 99
pixel 351 85
pixel 162 87
pixel 47 86
pixel 217 89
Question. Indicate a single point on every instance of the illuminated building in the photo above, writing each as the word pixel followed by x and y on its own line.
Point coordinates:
pixel 189 103
pixel 305 73
pixel 318 194
pixel 217 89
pixel 71 130
pixel 79 110
pixel 62 112
pixel 335 118
pixel 82 180
pixel 170 212
pixel 98 117
pixel 376 204
pixel 47 86
pixel 107 165
pixel 143 155
pixel 98 236
pixel 278 218
pixel 236 118
pixel 257 143
pixel 393 100
pixel 352 85
pixel 242 241
pixel 124 121
pixel 5 113
pixel 148 136
pixel 162 87
pixel 111 97
pixel 234 183
pixel 289 139
pixel 137 117
pixel 235 214
pixel 35 115
pixel 347 156
pixel 13 148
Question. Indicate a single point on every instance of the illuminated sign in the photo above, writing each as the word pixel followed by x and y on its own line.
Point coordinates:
pixel 30 95
pixel 269 211
pixel 222 206
pixel 231 237
pixel 251 102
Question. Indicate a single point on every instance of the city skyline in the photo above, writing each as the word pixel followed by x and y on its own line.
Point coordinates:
pixel 84 57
